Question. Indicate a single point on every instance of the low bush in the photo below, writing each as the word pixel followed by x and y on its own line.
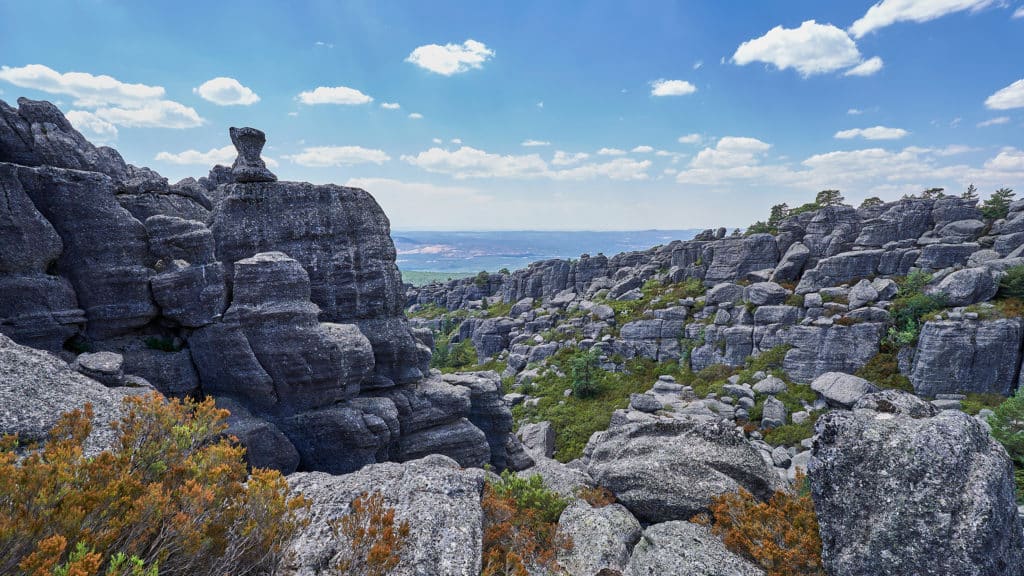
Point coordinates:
pixel 520 527
pixel 911 307
pixel 791 434
pixel 1008 428
pixel 375 541
pixel 450 357
pixel 597 497
pixel 883 371
pixel 780 535
pixel 1011 285
pixel 585 372
pixel 172 492
pixel 975 402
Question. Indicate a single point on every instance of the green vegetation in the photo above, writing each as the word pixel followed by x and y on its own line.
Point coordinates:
pixel 871 202
pixel 791 434
pixel 584 368
pixel 428 311
pixel 883 371
pixel 450 357
pixel 656 296
pixel 977 401
pixel 911 307
pixel 998 204
pixel 829 198
pixel 422 277
pixel 530 493
pixel 1008 428
pixel 1011 285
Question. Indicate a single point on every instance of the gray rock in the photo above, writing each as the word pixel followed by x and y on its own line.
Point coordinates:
pixel 248 166
pixel 792 263
pixel 669 470
pixel 644 403
pixel 656 339
pixel 538 438
pixel 862 293
pixel 488 411
pixel 765 294
pixel 172 373
pixel 733 258
pixel 967 356
pixel 770 385
pixel 774 413
pixel 565 480
pixel 37 387
pixel 939 256
pixel 839 269
pixel 966 287
pixel 440 501
pixel 104 367
pixel 902 495
pixel 842 390
pixel 835 348
pixel 685 548
pixel 724 292
pixel 602 538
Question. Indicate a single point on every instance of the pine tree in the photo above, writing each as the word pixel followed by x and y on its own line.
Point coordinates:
pixel 829 198
pixel 971 193
pixel 778 213
pixel 998 205
pixel 871 202
pixel 933 193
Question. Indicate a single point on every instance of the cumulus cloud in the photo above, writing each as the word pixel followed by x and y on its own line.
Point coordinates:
pixel 98 130
pixel 610 152
pixel 1008 160
pixel 888 12
pixel 225 155
pixel 873 133
pixel 730 151
pixel 390 105
pixel 324 156
pixel 114 102
pixel 468 162
pixel 690 139
pixel 662 87
pixel 534 143
pixel 225 91
pixel 1018 13
pixel 1010 97
pixel 562 158
pixel 994 121
pixel 416 116
pixel 334 95
pixel 642 149
pixel 866 68
pixel 810 49
pixel 854 111
pixel 451 58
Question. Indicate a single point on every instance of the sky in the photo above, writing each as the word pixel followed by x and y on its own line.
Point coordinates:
pixel 598 115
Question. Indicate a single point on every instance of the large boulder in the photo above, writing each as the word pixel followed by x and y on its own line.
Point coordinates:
pixel 966 287
pixel 602 538
pixel 685 548
pixel 440 501
pixel 733 258
pixel 961 356
pixel 670 470
pixel 842 390
pixel 897 493
pixel 820 349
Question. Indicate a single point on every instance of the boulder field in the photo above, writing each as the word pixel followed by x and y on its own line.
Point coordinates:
pixel 282 301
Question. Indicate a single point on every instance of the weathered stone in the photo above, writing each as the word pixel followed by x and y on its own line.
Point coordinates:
pixel 248 166
pixel 966 287
pixel 842 390
pixel 538 437
pixel 960 356
pixel 765 294
pixel 947 489
pixel 602 538
pixel 685 548
pixel 820 349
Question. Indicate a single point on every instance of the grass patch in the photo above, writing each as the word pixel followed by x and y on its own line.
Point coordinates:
pixel 656 296
pixel 977 401
pixel 423 277
pixel 792 434
pixel 429 311
pixel 883 371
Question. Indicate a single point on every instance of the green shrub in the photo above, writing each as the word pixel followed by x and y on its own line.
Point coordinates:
pixel 448 356
pixel 998 205
pixel 1011 285
pixel 795 300
pixel 530 493
pixel 910 308
pixel 883 370
pixel 977 401
pixel 585 369
pixel 1008 428
pixel 791 434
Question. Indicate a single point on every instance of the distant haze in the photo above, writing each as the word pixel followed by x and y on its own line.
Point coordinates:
pixel 493 250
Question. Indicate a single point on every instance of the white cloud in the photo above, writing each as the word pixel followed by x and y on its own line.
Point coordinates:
pixel 416 116
pixel 390 105
pixel 451 58
pixel 115 102
pixel 533 143
pixel 1008 160
pixel 642 149
pixel 456 140
pixel 567 159
pixel 96 129
pixel 468 162
pixel 810 49
pixel 323 156
pixel 873 133
pixel 155 114
pixel 690 139
pixel 334 95
pixel 730 151
pixel 854 111
pixel 662 87
pixel 888 12
pixel 1010 97
pixel 225 91
pixel 866 68
pixel 994 121
pixel 324 44
pixel 611 152
pixel 293 114
pixel 1018 13
pixel 698 64
pixel 225 155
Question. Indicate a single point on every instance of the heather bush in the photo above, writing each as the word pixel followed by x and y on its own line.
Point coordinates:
pixel 780 535
pixel 173 493
pixel 520 527
pixel 376 542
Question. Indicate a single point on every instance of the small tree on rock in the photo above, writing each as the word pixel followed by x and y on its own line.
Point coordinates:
pixel 934 193
pixel 998 204
pixel 971 193
pixel 871 202
pixel 829 198
pixel 778 213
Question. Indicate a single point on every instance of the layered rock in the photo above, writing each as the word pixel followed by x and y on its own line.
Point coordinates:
pixel 960 356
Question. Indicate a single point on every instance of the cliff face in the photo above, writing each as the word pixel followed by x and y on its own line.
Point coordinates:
pixel 281 299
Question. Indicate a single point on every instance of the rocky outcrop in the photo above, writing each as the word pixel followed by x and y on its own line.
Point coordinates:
pixel 440 501
pixel 905 489
pixel 602 538
pixel 665 471
pixel 685 548
pixel 960 356
pixel 820 349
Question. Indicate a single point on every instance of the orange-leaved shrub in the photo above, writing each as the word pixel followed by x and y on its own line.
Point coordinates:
pixel 520 527
pixel 376 542
pixel 780 535
pixel 597 497
pixel 172 493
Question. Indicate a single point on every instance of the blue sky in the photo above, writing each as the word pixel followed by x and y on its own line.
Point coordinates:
pixel 640 114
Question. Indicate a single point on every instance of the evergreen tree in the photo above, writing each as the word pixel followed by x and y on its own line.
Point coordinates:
pixel 998 205
pixel 971 193
pixel 933 193
pixel 778 213
pixel 829 198
pixel 871 202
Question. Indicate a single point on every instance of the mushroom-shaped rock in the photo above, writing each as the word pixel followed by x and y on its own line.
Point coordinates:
pixel 248 166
